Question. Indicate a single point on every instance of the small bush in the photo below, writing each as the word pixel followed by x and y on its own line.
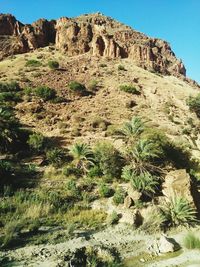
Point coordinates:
pixel 45 93
pixel 10 96
pixel 129 89
pixel 9 87
pixel 121 67
pixel 55 156
pixel 108 159
pixel 178 212
pixel 105 191
pixel 119 196
pixel 33 63
pixel 37 142
pixel 191 241
pixel 53 65
pixel 194 104
pixel 113 218
pixel 77 87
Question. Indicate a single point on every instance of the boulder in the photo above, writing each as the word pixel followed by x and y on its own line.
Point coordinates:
pixel 178 183
pixel 128 202
pixel 162 245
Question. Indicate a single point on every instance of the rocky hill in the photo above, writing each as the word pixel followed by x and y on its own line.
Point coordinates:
pixel 95 34
pixel 99 126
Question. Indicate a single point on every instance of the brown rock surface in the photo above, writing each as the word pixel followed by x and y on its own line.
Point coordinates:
pixel 178 183
pixel 96 34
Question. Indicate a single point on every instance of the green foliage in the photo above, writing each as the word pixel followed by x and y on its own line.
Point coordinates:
pixel 132 129
pixel 82 155
pixel 37 142
pixel 144 183
pixel 121 67
pixel 194 104
pixel 108 159
pixel 119 196
pixel 143 156
pixel 55 156
pixel 10 96
pixel 113 218
pixel 53 65
pixel 191 241
pixel 72 187
pixel 178 212
pixel 129 89
pixel 94 171
pixel 11 134
pixel 33 63
pixel 104 190
pixel 77 87
pixel 6 172
pixel 71 170
pixel 45 93
pixel 9 87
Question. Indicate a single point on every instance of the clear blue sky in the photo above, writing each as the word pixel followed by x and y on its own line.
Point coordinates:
pixel 177 21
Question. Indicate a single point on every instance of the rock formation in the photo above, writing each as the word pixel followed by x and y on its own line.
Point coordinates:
pixel 95 34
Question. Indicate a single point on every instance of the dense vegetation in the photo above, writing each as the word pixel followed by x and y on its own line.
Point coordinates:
pixel 59 190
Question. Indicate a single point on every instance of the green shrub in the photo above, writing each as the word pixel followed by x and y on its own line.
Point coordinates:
pixel 178 211
pixel 10 96
pixel 37 142
pixel 53 65
pixel 71 170
pixel 194 104
pixel 119 196
pixel 77 87
pixel 104 190
pixel 144 183
pixel 108 159
pixel 94 171
pixel 191 241
pixel 129 89
pixel 33 63
pixel 55 156
pixel 113 218
pixel 121 67
pixel 9 87
pixel 45 93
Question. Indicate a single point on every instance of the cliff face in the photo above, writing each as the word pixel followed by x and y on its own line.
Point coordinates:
pixel 95 34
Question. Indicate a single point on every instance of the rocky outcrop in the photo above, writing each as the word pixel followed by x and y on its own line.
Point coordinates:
pixel 16 38
pixel 95 34
pixel 178 183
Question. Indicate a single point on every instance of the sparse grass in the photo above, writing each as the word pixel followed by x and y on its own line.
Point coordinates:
pixel 121 67
pixel 129 89
pixel 192 241
pixel 33 63
pixel 53 65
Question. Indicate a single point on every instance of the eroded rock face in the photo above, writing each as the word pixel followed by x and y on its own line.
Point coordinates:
pixel 178 183
pixel 95 34
pixel 16 38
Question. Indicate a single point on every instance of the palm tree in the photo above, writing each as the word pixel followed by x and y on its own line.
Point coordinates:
pixel 144 183
pixel 143 156
pixel 132 129
pixel 82 155
pixel 178 211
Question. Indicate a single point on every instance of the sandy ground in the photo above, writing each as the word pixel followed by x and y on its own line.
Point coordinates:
pixel 131 244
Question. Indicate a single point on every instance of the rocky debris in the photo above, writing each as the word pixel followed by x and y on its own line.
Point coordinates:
pixel 178 183
pixel 96 34
pixel 162 245
pixel 128 202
